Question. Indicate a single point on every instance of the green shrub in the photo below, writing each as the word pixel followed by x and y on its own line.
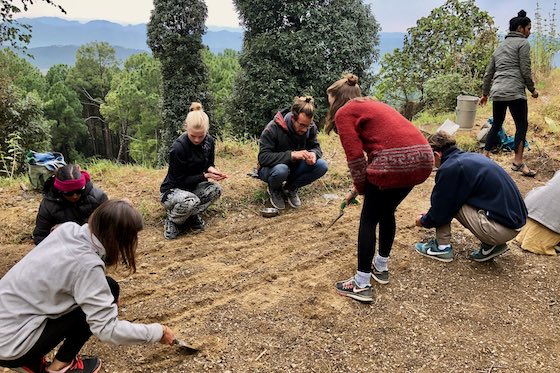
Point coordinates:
pixel 441 91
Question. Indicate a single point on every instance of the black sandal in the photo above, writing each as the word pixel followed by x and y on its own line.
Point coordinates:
pixel 520 168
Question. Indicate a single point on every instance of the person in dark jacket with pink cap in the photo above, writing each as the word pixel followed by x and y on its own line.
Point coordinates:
pixel 69 196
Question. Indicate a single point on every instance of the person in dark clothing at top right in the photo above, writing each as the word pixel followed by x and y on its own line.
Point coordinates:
pixel 478 193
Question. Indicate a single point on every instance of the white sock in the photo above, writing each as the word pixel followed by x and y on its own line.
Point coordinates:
pixel 443 247
pixel 362 278
pixel 381 262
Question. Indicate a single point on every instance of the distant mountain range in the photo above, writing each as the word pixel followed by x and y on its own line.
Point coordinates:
pixel 55 40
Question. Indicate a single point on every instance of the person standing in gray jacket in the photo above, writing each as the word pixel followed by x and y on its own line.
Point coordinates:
pixel 507 76
pixel 44 302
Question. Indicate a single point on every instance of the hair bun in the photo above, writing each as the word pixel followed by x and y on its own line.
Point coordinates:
pixel 522 13
pixel 196 106
pixel 308 99
pixel 351 79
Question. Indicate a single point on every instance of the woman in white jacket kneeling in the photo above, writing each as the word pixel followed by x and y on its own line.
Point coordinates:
pixel 59 293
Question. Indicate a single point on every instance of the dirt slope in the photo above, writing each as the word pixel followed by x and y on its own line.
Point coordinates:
pixel 258 293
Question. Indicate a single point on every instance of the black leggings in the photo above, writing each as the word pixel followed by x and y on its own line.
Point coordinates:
pixel 519 112
pixel 379 208
pixel 71 328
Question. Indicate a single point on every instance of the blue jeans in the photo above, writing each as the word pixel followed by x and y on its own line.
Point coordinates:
pixel 295 176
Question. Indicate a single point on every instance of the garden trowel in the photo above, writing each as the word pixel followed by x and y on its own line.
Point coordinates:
pixel 341 211
pixel 184 347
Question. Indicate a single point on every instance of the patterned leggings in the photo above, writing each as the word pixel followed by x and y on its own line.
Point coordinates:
pixel 181 204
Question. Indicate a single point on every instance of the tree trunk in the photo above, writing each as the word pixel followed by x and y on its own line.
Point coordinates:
pixel 92 130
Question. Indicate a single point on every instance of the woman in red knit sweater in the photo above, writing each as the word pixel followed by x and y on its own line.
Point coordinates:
pixel 387 155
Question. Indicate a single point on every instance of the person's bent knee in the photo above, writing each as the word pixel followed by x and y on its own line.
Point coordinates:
pixel 280 170
pixel 278 175
pixel 322 166
pixel 216 189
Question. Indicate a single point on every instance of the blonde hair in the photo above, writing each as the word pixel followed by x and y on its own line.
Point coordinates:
pixel 305 105
pixel 343 90
pixel 197 119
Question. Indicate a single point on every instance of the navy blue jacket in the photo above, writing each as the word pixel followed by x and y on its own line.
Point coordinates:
pixel 475 180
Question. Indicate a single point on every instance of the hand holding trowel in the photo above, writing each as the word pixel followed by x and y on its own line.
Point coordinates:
pixel 350 198
pixel 184 347
pixel 169 338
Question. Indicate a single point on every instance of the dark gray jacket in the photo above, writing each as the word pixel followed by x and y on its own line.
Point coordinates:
pixel 279 139
pixel 509 70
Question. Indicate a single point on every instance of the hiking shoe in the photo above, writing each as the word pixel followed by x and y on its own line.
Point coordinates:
pixel 431 250
pixel 293 198
pixel 380 276
pixel 170 229
pixel 87 364
pixel 39 368
pixel 276 198
pixel 350 289
pixel 196 223
pixel 487 252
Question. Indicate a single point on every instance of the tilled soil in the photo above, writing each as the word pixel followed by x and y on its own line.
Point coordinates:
pixel 257 294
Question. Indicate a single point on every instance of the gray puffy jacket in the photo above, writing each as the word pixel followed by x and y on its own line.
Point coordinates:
pixel 509 70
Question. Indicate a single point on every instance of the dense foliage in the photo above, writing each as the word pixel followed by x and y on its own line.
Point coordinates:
pixel 63 109
pixel 96 63
pixel 222 70
pixel 448 50
pixel 21 106
pixel 294 48
pixel 132 109
pixel 175 37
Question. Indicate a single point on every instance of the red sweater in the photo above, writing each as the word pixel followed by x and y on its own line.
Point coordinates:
pixel 398 155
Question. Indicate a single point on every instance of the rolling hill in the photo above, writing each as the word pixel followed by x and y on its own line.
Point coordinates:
pixel 55 40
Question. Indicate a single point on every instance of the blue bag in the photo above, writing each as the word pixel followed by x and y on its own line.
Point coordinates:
pixel 41 166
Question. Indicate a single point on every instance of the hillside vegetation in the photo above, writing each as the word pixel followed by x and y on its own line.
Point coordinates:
pixel 257 294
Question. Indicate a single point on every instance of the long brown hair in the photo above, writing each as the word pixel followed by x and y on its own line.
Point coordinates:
pixel 343 90
pixel 116 224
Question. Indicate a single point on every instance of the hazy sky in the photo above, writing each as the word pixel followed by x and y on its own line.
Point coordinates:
pixel 395 15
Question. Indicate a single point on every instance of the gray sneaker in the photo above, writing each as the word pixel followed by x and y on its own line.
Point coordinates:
pixel 380 276
pixel 349 288
pixel 487 252
pixel 293 198
pixel 170 229
pixel 276 198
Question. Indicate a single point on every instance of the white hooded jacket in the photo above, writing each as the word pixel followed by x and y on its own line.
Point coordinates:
pixel 63 272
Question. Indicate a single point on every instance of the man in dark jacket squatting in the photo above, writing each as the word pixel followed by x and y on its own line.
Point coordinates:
pixel 289 153
pixel 478 193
